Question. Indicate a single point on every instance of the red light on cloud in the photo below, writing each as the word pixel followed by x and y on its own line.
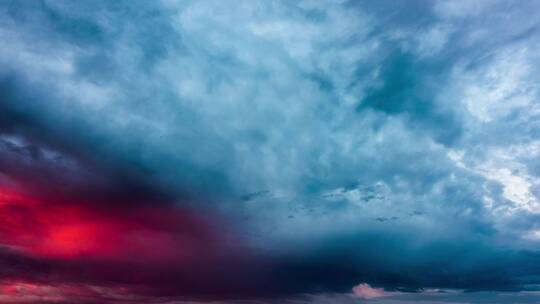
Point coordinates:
pixel 63 231
pixel 26 292
pixel 70 240
pixel 133 251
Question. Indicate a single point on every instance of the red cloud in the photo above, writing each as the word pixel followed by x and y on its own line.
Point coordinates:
pixel 71 230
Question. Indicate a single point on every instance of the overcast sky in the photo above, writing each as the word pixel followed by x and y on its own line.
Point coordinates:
pixel 336 151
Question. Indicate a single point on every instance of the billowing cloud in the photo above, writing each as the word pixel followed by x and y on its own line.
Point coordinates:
pixel 306 146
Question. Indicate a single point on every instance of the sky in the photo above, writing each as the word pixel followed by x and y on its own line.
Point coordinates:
pixel 250 151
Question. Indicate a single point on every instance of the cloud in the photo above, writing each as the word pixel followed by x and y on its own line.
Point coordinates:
pixel 297 124
pixel 364 291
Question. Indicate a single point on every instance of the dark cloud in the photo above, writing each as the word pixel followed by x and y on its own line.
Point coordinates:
pixel 331 143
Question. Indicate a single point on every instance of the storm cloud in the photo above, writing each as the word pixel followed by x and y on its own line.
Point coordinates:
pixel 297 147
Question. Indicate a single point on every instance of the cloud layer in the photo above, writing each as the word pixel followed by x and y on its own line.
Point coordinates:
pixel 311 144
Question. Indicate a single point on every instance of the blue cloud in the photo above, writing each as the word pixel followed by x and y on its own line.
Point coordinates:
pixel 304 122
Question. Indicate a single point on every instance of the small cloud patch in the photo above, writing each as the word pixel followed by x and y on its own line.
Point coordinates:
pixel 364 291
